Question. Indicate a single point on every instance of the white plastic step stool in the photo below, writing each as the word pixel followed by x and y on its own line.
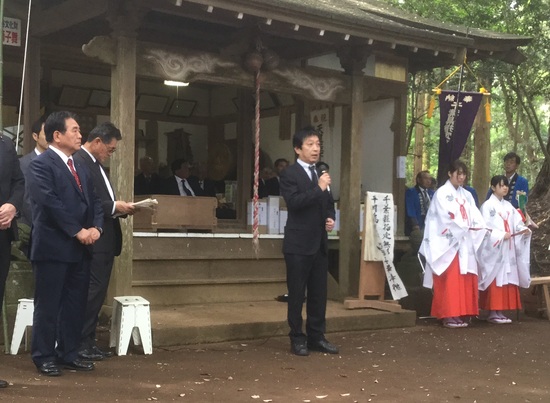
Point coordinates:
pixel 131 317
pixel 25 311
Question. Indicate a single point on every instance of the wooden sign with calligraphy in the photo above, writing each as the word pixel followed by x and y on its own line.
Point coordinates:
pixel 377 256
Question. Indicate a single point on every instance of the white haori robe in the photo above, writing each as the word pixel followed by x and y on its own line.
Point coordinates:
pixel 504 260
pixel 450 223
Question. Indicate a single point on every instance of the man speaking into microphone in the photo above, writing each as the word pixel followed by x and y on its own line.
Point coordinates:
pixel 305 189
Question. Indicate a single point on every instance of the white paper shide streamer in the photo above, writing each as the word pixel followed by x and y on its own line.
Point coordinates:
pixel 379 238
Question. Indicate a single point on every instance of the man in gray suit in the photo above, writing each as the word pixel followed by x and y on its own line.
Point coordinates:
pixel 41 145
pixel 12 188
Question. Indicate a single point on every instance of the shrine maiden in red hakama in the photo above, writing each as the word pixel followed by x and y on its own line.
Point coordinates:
pixel 503 256
pixel 454 232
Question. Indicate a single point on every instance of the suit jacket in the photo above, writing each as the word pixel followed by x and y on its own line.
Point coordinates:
pixel 26 211
pixel 143 186
pixel 111 239
pixel 170 187
pixel 413 209
pixel 272 186
pixel 60 210
pixel 308 208
pixel 208 188
pixel 12 181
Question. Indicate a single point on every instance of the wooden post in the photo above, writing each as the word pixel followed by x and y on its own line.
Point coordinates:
pixel 399 127
pixel 482 153
pixel 123 115
pixel 350 180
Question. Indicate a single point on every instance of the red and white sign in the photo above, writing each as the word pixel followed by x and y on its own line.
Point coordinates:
pixel 12 31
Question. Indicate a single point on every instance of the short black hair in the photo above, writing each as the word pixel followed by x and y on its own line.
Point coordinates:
pixel 176 164
pixel 302 134
pixel 106 132
pixel 279 160
pixel 500 179
pixel 56 122
pixel 419 175
pixel 457 166
pixel 512 155
pixel 37 125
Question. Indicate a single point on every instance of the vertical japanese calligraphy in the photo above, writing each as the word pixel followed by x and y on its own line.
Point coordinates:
pixel 379 238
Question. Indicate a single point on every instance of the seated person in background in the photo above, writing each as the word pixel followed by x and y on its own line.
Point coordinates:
pixel 265 175
pixel 199 180
pixel 516 184
pixel 147 182
pixel 272 185
pixel 417 202
pixel 177 184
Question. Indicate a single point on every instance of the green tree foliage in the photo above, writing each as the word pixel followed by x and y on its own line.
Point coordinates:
pixel 520 94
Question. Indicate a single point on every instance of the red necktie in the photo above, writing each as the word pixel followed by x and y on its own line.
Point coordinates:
pixel 76 178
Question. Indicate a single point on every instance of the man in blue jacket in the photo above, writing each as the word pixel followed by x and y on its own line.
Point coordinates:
pixel 417 202
pixel 518 185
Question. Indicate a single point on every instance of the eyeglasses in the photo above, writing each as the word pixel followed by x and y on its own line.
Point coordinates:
pixel 110 150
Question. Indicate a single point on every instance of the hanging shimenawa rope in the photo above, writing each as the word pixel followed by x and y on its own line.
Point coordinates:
pixel 253 62
pixel 255 227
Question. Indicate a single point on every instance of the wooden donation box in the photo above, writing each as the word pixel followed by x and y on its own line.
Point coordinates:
pixel 377 257
pixel 178 213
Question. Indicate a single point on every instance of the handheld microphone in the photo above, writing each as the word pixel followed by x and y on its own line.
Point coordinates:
pixel 322 167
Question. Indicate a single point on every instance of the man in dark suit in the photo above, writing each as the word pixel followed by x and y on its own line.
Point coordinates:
pixel 41 145
pixel 100 145
pixel 199 180
pixel 67 220
pixel 179 183
pixel 272 185
pixel 12 190
pixel 147 182
pixel 305 246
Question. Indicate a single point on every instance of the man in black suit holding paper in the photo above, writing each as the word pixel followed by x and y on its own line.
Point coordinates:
pixel 100 145
pixel 305 247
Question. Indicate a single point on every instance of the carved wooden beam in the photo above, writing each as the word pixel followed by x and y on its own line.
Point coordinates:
pixel 189 65
pixel 65 15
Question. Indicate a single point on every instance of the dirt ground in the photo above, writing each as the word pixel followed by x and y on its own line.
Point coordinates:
pixel 427 363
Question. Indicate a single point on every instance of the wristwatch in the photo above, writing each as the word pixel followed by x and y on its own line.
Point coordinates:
pixel 100 230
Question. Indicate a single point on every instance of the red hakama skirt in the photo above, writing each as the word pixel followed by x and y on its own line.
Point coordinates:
pixel 503 298
pixel 454 294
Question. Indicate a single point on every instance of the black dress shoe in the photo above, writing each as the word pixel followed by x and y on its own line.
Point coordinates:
pixel 323 346
pixel 3 384
pixel 88 354
pixel 78 365
pixel 49 368
pixel 104 353
pixel 299 348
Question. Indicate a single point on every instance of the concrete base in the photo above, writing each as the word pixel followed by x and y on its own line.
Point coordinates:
pixel 211 323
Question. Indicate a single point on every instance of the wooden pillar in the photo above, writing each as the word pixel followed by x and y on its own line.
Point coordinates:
pixel 123 115
pixel 31 94
pixel 482 153
pixel 350 181
pixel 399 127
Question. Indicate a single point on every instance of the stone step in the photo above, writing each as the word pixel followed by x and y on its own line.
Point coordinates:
pixel 212 323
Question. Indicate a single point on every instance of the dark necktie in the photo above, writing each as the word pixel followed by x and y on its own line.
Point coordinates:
pixel 426 199
pixel 75 175
pixel 185 189
pixel 313 174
